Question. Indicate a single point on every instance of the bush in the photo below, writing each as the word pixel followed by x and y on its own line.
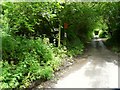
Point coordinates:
pixel 113 44
pixel 75 48
pixel 25 60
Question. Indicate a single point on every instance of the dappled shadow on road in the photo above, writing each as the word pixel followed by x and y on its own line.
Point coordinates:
pixel 100 71
pixel 99 52
pixel 103 67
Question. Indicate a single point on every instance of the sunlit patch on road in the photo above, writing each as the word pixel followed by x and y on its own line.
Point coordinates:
pixel 91 76
pixel 99 72
pixel 112 70
pixel 76 79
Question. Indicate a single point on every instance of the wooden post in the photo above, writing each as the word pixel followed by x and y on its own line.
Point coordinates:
pixel 59 34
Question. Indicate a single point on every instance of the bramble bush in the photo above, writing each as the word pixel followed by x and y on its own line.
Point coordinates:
pixel 25 60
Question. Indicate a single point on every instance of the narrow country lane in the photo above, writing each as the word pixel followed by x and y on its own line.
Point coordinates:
pixel 99 71
pixel 60 44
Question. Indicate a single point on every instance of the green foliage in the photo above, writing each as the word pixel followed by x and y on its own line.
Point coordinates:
pixel 113 22
pixel 81 18
pixel 14 48
pixel 26 57
pixel 25 60
pixel 103 35
pixel 75 48
pixel 31 18
pixel 47 72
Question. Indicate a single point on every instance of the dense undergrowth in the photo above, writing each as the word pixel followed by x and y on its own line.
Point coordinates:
pixel 113 44
pixel 27 55
pixel 26 60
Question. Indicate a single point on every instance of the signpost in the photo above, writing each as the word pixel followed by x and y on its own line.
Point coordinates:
pixel 65 34
pixel 59 33
pixel 65 25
